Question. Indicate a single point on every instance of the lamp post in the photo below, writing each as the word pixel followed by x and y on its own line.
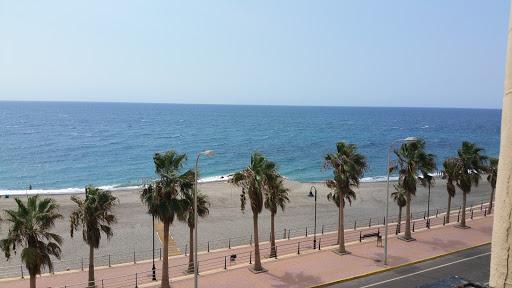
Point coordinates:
pixel 428 178
pixel 408 140
pixel 314 235
pixel 153 269
pixel 207 153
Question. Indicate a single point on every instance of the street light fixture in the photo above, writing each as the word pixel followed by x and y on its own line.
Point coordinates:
pixel 314 235
pixel 207 153
pixel 406 140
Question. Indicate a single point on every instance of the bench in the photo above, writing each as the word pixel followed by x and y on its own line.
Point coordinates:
pixel 232 258
pixel 369 235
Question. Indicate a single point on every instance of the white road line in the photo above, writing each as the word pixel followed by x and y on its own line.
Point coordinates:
pixel 429 269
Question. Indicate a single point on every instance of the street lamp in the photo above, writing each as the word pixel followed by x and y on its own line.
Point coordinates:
pixel 407 140
pixel 314 235
pixel 428 177
pixel 153 269
pixel 207 153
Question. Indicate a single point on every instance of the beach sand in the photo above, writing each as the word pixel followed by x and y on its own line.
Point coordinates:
pixel 134 231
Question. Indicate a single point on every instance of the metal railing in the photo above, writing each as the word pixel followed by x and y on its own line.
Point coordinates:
pixel 108 260
pixel 300 246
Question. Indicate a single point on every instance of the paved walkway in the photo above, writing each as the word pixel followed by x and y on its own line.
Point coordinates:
pixel 325 266
pixel 126 275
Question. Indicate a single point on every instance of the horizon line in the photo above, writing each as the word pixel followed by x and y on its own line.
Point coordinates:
pixel 231 104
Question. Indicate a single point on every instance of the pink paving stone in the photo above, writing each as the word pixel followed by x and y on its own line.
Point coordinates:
pixel 326 266
pixel 296 271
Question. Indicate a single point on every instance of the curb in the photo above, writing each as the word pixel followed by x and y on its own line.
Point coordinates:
pixel 342 280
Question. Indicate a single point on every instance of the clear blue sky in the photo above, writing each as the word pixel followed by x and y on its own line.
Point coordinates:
pixel 348 53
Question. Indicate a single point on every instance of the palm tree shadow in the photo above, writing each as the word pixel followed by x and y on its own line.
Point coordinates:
pixel 377 258
pixel 439 243
pixel 295 280
pixel 485 229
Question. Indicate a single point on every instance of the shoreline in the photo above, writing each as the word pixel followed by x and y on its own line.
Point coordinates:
pixel 133 231
pixel 115 188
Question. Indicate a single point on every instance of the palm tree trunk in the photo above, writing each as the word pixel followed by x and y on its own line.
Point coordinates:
pixel 165 260
pixel 272 236
pixel 257 259
pixel 32 280
pixel 91 266
pixel 341 229
pixel 448 209
pixel 191 251
pixel 463 212
pixel 491 200
pixel 408 217
pixel 338 240
pixel 399 219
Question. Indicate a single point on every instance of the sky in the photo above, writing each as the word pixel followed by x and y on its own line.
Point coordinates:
pixel 404 53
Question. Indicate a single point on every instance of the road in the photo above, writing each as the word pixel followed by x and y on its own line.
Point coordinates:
pixel 471 264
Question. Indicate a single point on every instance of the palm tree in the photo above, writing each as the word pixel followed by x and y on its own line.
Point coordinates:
pixel 30 226
pixel 472 165
pixel 348 167
pixel 187 215
pixel 450 173
pixel 253 180
pixel 412 159
pixel 399 196
pixel 93 215
pixel 162 198
pixel 276 196
pixel 491 178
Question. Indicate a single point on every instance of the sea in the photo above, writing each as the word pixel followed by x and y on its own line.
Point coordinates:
pixel 60 147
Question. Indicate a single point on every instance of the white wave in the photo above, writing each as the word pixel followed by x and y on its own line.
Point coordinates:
pixel 378 179
pixel 118 188
pixel 64 191
pixel 215 178
pixel 435 174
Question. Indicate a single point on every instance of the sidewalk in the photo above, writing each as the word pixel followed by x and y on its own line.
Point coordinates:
pixel 124 275
pixel 325 266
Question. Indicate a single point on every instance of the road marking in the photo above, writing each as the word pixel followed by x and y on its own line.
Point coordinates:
pixel 426 270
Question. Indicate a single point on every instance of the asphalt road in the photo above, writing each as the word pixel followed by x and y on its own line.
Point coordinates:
pixel 471 264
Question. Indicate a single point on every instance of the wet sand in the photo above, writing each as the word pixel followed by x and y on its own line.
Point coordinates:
pixel 134 231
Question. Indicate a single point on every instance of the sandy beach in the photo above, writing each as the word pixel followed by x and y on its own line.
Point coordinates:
pixel 133 230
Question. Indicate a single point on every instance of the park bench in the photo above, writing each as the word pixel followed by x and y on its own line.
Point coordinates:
pixel 369 235
pixel 232 258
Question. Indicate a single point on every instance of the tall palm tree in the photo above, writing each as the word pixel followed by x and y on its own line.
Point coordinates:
pixel 399 196
pixel 412 160
pixel 472 165
pixel 450 173
pixel 253 180
pixel 187 215
pixel 492 175
pixel 93 215
pixel 348 167
pixel 162 198
pixel 29 227
pixel 276 196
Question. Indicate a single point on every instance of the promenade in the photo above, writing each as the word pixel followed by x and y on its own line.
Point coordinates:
pixel 315 268
pixel 297 265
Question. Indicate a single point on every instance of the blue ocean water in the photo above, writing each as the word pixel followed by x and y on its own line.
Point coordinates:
pixel 58 145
